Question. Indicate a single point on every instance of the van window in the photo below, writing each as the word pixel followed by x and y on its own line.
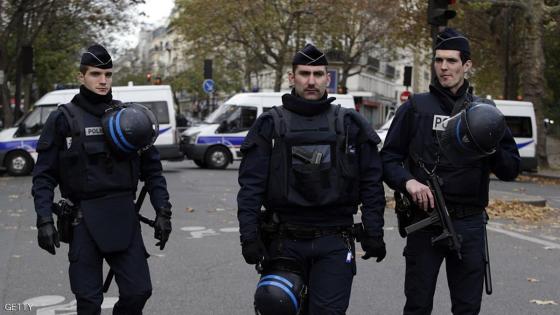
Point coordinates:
pixel 520 126
pixel 239 118
pixel 159 108
pixel 32 123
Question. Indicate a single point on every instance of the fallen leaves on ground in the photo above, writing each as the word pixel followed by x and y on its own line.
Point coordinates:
pixel 538 180
pixel 533 280
pixel 189 209
pixel 521 212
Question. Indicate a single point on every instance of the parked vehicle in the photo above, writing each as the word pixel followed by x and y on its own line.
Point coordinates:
pixel 17 144
pixel 520 118
pixel 216 142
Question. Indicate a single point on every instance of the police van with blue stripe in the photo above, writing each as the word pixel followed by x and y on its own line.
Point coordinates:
pixel 18 144
pixel 216 142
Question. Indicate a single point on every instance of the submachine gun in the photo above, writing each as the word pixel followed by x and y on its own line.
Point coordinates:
pixel 440 215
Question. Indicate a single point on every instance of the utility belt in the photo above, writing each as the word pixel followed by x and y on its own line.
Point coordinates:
pixel 285 230
pixel 461 211
pixel 68 216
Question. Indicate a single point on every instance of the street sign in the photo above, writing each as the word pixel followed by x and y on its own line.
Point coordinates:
pixel 208 86
pixel 404 96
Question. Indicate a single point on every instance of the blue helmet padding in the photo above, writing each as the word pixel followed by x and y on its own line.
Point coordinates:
pixel 119 130
pixel 283 288
pixel 279 278
pixel 114 137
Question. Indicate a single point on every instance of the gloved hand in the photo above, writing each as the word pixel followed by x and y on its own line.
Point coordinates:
pixel 162 226
pixel 374 247
pixel 47 235
pixel 254 252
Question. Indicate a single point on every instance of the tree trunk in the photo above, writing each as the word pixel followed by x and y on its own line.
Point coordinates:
pixel 533 82
pixel 278 74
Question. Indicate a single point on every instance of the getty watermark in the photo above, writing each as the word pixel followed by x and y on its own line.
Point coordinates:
pixel 17 307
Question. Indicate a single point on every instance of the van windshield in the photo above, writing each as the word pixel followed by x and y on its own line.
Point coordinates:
pixel 220 114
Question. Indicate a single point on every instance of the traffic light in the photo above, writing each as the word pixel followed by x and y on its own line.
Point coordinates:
pixel 208 68
pixel 438 12
pixel 26 59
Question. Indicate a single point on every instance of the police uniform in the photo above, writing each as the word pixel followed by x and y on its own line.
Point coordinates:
pixel 102 186
pixel 310 163
pixel 412 139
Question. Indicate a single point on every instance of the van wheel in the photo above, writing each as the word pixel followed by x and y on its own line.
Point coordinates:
pixel 19 163
pixel 200 163
pixel 217 158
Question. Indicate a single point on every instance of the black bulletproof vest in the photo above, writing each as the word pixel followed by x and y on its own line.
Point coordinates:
pixel 311 164
pixel 462 183
pixel 88 169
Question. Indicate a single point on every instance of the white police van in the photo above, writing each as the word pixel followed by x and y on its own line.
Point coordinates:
pixel 17 144
pixel 216 142
pixel 520 118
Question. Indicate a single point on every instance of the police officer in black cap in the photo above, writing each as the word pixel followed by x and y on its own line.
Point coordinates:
pixel 99 186
pixel 310 163
pixel 412 140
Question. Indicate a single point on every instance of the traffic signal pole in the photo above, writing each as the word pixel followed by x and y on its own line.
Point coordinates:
pixel 438 15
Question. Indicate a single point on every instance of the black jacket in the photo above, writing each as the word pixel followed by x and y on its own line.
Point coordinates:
pixel 467 185
pixel 254 176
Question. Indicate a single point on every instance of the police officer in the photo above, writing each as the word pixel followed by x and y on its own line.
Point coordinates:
pixel 310 163
pixel 412 140
pixel 74 153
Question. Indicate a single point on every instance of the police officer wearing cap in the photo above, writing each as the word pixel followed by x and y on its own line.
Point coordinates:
pixel 100 185
pixel 310 163
pixel 412 142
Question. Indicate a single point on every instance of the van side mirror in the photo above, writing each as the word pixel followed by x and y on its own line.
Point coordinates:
pixel 222 128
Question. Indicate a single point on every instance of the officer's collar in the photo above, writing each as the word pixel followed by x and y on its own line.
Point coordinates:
pixel 299 105
pixel 91 102
pixel 446 96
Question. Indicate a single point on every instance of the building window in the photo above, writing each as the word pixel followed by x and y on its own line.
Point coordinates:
pixel 389 71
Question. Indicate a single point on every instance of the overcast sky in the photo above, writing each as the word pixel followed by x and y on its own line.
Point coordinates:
pixel 157 11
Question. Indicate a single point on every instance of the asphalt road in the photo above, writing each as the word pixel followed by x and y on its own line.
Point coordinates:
pixel 201 270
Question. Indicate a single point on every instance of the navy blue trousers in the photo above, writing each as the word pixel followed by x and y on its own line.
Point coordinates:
pixel 86 274
pixel 327 274
pixel 465 277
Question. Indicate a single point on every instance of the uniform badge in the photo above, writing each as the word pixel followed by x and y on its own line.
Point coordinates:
pixel 440 122
pixel 94 131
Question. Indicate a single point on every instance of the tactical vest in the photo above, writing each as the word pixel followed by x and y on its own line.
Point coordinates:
pixel 463 183
pixel 313 163
pixel 87 166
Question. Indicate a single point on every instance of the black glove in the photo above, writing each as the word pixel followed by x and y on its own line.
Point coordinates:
pixel 254 252
pixel 374 247
pixel 162 227
pixel 47 235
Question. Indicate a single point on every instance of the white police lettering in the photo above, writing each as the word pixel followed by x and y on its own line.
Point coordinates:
pixel 440 122
pixel 94 131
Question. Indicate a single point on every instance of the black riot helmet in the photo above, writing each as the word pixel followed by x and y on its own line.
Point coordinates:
pixel 129 128
pixel 472 134
pixel 281 289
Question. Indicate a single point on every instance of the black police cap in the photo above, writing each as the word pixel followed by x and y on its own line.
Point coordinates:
pixel 310 56
pixel 97 56
pixel 450 39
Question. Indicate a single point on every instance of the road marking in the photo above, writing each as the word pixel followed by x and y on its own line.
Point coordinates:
pixel 547 244
pixel 50 304
pixel 201 231
pixel 192 228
